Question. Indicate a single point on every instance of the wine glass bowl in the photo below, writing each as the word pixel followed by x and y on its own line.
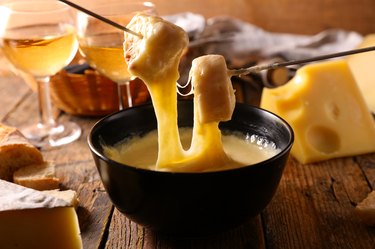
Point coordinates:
pixel 102 44
pixel 38 38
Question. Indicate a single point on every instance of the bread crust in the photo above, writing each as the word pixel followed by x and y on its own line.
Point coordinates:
pixel 15 152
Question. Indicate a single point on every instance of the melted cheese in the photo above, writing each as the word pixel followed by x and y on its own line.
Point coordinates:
pixel 141 151
pixel 155 59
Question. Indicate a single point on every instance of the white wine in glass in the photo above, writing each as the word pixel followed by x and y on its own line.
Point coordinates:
pixel 102 44
pixel 38 38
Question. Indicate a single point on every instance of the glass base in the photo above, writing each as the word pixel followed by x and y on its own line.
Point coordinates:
pixel 43 137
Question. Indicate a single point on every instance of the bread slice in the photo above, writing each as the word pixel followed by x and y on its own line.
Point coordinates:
pixel 37 176
pixel 15 152
pixel 366 209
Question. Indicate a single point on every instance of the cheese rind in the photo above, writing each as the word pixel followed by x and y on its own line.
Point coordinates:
pixel 33 219
pixel 16 197
pixel 362 66
pixel 326 110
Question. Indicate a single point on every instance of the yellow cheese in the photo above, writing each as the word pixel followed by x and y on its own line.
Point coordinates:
pixel 362 66
pixel 155 59
pixel 32 219
pixel 326 110
pixel 157 53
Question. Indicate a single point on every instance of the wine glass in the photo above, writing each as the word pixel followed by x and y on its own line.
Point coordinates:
pixel 102 44
pixel 38 38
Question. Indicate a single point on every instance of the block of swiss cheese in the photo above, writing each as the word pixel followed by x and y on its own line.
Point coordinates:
pixel 362 66
pixel 326 110
pixel 15 152
pixel 34 219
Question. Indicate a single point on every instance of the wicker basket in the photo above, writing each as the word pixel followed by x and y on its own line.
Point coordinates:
pixel 91 94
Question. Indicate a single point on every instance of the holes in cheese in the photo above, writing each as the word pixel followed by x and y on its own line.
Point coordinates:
pixel 332 111
pixel 323 139
pixel 334 120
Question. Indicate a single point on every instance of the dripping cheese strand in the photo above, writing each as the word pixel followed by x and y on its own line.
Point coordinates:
pixel 155 59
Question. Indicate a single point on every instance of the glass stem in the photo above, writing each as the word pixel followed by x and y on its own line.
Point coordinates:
pixel 46 118
pixel 128 94
pixel 120 98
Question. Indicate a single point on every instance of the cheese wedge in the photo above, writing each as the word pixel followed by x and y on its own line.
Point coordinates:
pixel 32 219
pixel 328 114
pixel 362 66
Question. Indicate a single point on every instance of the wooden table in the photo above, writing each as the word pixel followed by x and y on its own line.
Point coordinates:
pixel 313 206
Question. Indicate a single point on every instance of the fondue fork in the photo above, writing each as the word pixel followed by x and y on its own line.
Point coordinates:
pixel 102 18
pixel 259 68
pixel 241 71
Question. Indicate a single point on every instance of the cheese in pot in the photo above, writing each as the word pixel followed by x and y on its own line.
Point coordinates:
pixel 326 110
pixel 142 151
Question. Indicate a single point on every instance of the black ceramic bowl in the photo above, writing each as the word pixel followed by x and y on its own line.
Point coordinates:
pixel 190 204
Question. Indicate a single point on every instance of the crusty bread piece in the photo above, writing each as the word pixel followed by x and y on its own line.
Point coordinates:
pixel 70 196
pixel 15 152
pixel 366 209
pixel 37 176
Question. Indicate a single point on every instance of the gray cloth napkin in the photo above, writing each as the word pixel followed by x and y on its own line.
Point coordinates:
pixel 244 44
pixel 236 39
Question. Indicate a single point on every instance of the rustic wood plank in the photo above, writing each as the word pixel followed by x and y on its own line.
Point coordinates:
pixel 9 100
pixel 314 207
pixel 79 149
pixel 124 233
pixel 95 209
pixel 367 165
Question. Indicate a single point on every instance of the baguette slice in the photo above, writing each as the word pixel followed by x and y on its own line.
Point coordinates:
pixel 366 209
pixel 15 152
pixel 37 176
